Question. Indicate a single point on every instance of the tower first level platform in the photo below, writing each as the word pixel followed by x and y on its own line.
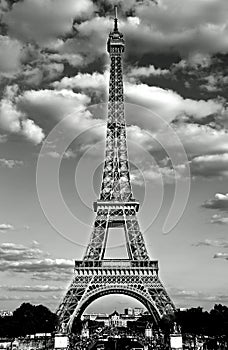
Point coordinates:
pixel 96 278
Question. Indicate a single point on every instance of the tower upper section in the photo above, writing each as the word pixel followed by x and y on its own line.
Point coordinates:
pixel 116 186
pixel 115 43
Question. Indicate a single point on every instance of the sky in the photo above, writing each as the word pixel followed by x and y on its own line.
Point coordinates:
pixel 54 73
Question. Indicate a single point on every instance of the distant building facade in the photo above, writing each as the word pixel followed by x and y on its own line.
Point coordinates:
pixel 116 319
pixel 137 311
pixel 5 313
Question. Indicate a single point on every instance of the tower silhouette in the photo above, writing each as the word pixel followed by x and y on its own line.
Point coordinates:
pixel 95 276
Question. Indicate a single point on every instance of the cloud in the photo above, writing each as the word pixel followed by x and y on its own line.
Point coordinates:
pixel 6 227
pixel 154 173
pixel 196 139
pixel 221 256
pixel 34 298
pixel 38 66
pixel 219 219
pixel 65 275
pixel 67 154
pixel 151 97
pixel 4 6
pixel 41 72
pixel 91 38
pixel 212 165
pixel 42 265
pixel 11 252
pixel 211 144
pixel 13 120
pixel 141 37
pixel 188 294
pixel 73 59
pixel 195 60
pixel 43 20
pixel 10 56
pixel 196 295
pixel 199 26
pixel 35 288
pixel 10 163
pixel 186 115
pixel 214 82
pixel 3 138
pixel 83 81
pixel 22 259
pixel 212 243
pixel 219 202
pixel 206 145
pixel 43 106
pixel 68 107
pixel 51 104
pixel 147 71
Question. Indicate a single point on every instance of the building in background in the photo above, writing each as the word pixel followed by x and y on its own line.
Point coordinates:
pixel 116 319
pixel 137 311
pixel 5 313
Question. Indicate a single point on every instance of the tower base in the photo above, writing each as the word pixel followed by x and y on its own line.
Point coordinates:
pixel 96 278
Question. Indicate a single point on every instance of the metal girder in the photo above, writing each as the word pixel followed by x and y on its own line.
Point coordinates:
pixel 116 215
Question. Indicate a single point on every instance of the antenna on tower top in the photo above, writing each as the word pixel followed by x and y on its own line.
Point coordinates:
pixel 115 19
pixel 115 7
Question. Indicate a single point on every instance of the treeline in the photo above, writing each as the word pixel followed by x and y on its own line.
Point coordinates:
pixel 28 319
pixel 31 319
pixel 195 321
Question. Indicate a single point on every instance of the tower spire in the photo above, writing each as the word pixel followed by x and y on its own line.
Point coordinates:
pixel 115 20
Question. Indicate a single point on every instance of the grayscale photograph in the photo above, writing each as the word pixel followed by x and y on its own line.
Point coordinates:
pixel 113 174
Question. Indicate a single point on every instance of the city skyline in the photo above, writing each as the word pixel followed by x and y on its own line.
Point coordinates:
pixel 60 69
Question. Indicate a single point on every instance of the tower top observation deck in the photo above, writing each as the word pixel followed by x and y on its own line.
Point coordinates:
pixel 115 42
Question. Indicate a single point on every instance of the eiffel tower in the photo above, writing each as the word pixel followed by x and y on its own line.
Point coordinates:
pixel 95 276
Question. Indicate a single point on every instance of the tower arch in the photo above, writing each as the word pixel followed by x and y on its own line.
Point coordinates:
pixel 101 292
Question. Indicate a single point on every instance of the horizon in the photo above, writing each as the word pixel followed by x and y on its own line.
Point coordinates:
pixel 54 69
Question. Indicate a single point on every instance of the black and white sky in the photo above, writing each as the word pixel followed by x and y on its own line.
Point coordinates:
pixel 54 64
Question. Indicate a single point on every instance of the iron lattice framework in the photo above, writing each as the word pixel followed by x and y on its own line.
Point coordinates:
pixel 95 276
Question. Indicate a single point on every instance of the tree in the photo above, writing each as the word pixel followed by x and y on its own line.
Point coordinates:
pixel 28 319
